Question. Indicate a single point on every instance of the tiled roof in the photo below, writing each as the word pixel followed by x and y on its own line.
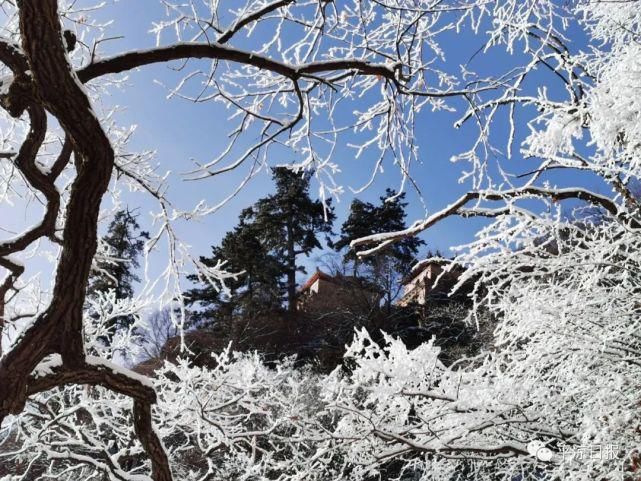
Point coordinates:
pixel 317 275
pixel 421 267
pixel 339 280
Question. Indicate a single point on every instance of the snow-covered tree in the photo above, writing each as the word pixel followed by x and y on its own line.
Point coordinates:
pixel 307 79
pixel 564 280
pixel 387 268
pixel 60 150
pixel 290 223
pixel 125 242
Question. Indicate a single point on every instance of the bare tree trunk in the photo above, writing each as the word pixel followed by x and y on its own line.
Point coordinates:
pixel 291 269
pixel 2 322
pixel 45 80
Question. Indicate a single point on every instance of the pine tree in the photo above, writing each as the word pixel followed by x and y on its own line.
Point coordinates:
pixel 265 246
pixel 257 290
pixel 125 242
pixel 387 268
pixel 362 218
pixel 289 222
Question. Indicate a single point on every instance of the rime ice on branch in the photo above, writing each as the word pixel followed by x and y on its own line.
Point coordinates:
pixel 312 77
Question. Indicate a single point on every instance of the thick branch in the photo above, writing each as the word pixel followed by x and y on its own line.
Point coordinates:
pixel 19 92
pixel 25 162
pixel 100 373
pixel 62 160
pixel 60 93
pixel 59 329
pixel 216 51
pixel 12 56
pixel 15 271
pixel 96 373
pixel 457 208
pixel 143 425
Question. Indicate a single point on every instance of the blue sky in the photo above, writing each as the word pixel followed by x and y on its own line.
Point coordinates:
pixel 181 131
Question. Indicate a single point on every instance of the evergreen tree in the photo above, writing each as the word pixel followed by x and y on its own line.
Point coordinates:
pixel 257 290
pixel 386 268
pixel 289 222
pixel 264 246
pixel 125 241
pixel 360 221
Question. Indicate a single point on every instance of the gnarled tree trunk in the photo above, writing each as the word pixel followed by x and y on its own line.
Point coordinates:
pixel 44 81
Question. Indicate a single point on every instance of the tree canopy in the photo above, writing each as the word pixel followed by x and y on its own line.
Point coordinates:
pixel 548 109
pixel 256 289
pixel 389 266
pixel 116 272
pixel 289 222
